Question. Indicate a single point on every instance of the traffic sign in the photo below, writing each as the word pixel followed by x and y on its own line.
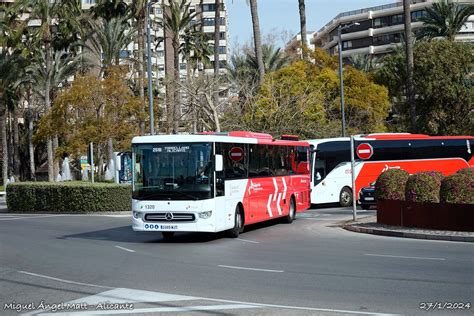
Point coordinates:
pixel 236 154
pixel 364 151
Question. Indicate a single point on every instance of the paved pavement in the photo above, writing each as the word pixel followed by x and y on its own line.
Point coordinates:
pixel 311 267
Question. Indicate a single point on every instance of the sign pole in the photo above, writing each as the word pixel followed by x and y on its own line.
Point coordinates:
pixel 90 154
pixel 354 202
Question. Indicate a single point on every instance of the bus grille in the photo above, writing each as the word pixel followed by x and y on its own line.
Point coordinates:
pixel 170 217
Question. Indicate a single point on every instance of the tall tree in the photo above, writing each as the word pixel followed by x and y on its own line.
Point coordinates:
pixel 257 39
pixel 177 19
pixel 409 64
pixel 138 11
pixel 304 44
pixel 444 19
pixel 217 29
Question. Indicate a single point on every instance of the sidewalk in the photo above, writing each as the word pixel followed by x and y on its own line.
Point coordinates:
pixel 368 225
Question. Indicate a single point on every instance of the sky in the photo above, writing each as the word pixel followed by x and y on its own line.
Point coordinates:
pixel 282 16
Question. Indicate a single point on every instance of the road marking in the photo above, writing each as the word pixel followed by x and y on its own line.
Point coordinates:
pixel 246 240
pixel 124 295
pixel 64 281
pixel 403 257
pixel 160 310
pixel 252 269
pixel 126 249
pixel 302 308
pixel 27 217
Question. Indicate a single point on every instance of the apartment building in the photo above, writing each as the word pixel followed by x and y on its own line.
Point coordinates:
pixel 294 45
pixel 380 28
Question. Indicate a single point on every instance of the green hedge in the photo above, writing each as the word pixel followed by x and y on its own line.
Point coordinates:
pixel 469 170
pixel 68 197
pixel 424 187
pixel 458 188
pixel 390 185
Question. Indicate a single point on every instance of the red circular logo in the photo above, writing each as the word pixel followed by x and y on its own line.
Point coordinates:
pixel 364 151
pixel 236 154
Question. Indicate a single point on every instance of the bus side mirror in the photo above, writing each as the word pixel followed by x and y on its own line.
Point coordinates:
pixel 219 163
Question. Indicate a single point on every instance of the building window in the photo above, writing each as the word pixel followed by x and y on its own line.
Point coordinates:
pixel 397 19
pixel 416 15
pixel 158 11
pixel 88 1
pixel 211 7
pixel 210 21
pixel 161 68
pixel 346 44
pixel 160 53
pixel 182 66
pixel 124 54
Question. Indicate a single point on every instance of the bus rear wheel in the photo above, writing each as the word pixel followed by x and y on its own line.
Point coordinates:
pixel 238 224
pixel 292 213
pixel 345 197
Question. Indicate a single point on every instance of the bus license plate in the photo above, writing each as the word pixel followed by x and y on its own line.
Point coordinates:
pixel 369 198
pixel 160 227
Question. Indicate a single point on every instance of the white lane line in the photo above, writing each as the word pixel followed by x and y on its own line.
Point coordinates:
pixel 64 281
pixel 126 249
pixel 302 308
pixel 246 240
pixel 404 257
pixel 252 269
pixel 160 310
pixel 28 217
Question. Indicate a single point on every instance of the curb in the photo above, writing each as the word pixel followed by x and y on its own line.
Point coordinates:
pixel 414 235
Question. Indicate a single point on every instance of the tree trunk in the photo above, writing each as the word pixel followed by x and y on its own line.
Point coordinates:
pixel 3 130
pixel 31 148
pixel 257 39
pixel 176 102
pixel 47 103
pixel 217 25
pixel 16 146
pixel 409 60
pixel 56 161
pixel 304 45
pixel 141 69
pixel 110 153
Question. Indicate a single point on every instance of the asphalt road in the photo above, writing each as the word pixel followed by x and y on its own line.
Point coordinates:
pixel 310 267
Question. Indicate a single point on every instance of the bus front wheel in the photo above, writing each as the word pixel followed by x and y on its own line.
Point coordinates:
pixel 238 224
pixel 345 197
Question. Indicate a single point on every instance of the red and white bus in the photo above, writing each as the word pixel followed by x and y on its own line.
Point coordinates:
pixel 217 181
pixel 331 161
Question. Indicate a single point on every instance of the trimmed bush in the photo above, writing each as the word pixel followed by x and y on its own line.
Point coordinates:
pixel 390 185
pixel 68 197
pixel 458 188
pixel 423 187
pixel 469 170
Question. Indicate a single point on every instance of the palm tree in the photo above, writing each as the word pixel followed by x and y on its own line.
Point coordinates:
pixel 138 12
pixel 257 39
pixel 302 10
pixel 273 59
pixel 110 37
pixel 409 61
pixel 177 19
pixel 10 65
pixel 365 63
pixel 444 19
pixel 109 9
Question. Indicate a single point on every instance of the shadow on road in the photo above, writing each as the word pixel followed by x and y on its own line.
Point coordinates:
pixel 127 235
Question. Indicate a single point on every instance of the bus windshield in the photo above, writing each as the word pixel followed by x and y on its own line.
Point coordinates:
pixel 172 171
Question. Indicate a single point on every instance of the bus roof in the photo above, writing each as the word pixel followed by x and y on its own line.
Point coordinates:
pixel 227 137
pixel 385 136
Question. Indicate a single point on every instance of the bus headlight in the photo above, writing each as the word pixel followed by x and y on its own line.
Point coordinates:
pixel 137 215
pixel 205 215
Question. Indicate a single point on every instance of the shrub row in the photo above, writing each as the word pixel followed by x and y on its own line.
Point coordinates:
pixel 68 197
pixel 428 186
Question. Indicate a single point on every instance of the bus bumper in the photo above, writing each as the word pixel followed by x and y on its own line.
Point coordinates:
pixel 200 225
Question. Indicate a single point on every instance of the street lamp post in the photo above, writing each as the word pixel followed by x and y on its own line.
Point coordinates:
pixel 149 74
pixel 341 81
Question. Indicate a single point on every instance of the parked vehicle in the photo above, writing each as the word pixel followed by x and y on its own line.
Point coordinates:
pixel 331 161
pixel 367 196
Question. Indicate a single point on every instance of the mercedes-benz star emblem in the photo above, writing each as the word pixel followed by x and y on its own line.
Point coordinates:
pixel 169 216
